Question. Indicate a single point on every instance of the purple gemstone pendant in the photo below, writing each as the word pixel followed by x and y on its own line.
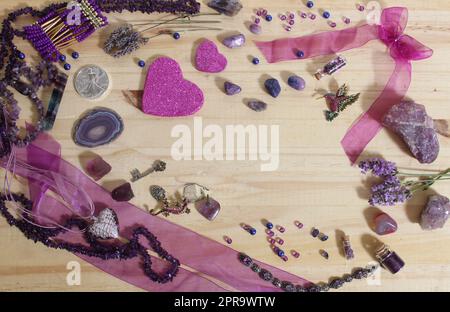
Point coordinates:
pixel 208 208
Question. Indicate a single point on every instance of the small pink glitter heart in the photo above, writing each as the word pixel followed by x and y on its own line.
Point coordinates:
pixel 208 59
pixel 167 93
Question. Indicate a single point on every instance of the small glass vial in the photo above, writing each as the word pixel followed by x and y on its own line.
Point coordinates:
pixel 389 259
pixel 348 251
pixel 332 67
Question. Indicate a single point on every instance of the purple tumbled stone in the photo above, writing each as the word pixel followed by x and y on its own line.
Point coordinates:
pixel 97 127
pixel 97 168
pixel 122 193
pixel 435 213
pixel 296 82
pixel 227 7
pixel 384 224
pixel 255 28
pixel 231 88
pixel 235 41
pixel 416 128
pixel 257 106
pixel 208 208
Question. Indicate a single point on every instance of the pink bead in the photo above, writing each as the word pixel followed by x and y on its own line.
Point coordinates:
pixel 259 12
pixel 303 15
pixel 270 233
pixel 279 241
pixel 285 258
pixel 228 240
pixel 295 253
pixel 283 17
pixel 361 7
pixel 288 28
pixel 291 15
pixel 264 12
pixel 298 224
pixel 347 20
pixel 291 22
pixel 271 240
pixel 312 16
pixel 332 24
pixel 257 20
pixel 281 229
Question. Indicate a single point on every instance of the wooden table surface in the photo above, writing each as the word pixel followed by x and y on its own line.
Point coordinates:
pixel 314 182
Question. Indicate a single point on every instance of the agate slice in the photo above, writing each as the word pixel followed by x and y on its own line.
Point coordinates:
pixel 97 127
pixel 411 122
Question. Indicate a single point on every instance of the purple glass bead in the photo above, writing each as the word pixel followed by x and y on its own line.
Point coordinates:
pixel 312 16
pixel 298 224
pixel 264 12
pixel 291 22
pixel 281 229
pixel 270 232
pixel 227 240
pixel 324 254
pixel 257 20
pixel 303 15
pixel 360 7
pixel 97 168
pixel 315 232
pixel 332 24
pixel 259 13
pixel 288 28
pixel 291 16
pixel 295 253
pixel 283 17
pixel 122 193
pixel 271 240
pixel 285 258
pixel 279 241
pixel 208 208
pixel 347 20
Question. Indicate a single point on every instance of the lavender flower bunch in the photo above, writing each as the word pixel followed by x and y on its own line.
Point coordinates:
pixel 397 187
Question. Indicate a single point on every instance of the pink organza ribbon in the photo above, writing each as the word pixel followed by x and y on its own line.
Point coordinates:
pixel 211 264
pixel 403 49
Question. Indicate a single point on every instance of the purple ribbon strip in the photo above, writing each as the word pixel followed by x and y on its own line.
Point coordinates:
pixel 403 49
pixel 206 258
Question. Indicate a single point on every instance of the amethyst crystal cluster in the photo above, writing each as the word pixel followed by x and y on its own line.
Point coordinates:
pixel 435 213
pixel 227 7
pixel 411 122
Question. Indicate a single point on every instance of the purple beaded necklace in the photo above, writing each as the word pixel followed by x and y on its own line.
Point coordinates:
pixel 104 251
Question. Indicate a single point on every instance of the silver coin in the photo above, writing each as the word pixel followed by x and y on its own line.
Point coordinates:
pixel 91 82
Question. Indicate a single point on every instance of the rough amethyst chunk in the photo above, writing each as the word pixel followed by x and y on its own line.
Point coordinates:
pixel 273 87
pixel 257 106
pixel 416 128
pixel 97 168
pixel 227 7
pixel 436 213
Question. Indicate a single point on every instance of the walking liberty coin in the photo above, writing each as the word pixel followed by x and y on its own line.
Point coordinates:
pixel 91 82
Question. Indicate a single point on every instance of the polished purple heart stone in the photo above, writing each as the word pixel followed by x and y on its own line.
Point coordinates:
pixel 97 168
pixel 384 224
pixel 123 193
pixel 208 208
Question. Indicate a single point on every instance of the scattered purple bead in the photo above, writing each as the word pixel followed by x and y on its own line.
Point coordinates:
pixel 312 16
pixel 270 233
pixel 361 7
pixel 291 22
pixel 298 224
pixel 283 17
pixel 281 229
pixel 295 253
pixel 228 240
pixel 279 241
pixel 332 24
pixel 315 232
pixel 288 28
pixel 347 20
pixel 303 15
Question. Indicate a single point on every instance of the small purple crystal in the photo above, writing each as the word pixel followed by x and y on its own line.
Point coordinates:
pixel 436 213
pixel 208 208
pixel 411 122
pixel 227 7
pixel 231 88
pixel 257 106
pixel 97 168
pixel 122 193
pixel 97 127
pixel 255 29
pixel 235 41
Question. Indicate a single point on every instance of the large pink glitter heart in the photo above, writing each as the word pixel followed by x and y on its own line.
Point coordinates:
pixel 208 59
pixel 167 93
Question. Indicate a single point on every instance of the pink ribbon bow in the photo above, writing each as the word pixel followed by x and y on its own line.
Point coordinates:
pixel 403 49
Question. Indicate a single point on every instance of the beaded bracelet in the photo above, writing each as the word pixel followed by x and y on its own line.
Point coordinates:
pixel 358 273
